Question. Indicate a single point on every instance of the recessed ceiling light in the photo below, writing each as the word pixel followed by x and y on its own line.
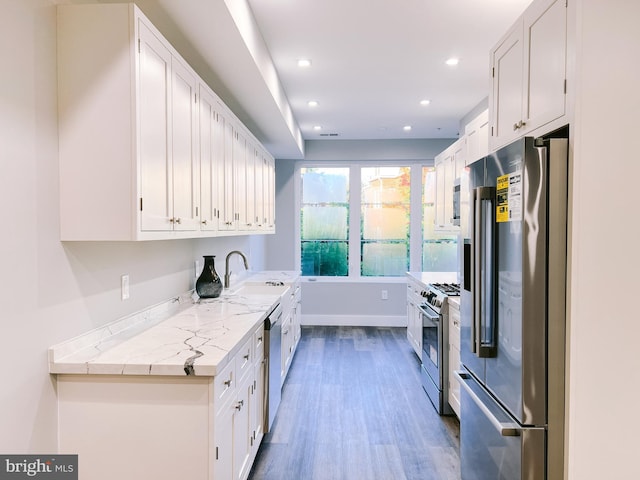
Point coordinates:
pixel 304 62
pixel 452 61
pixel 425 102
pixel 312 103
pixel 406 128
pixel 317 127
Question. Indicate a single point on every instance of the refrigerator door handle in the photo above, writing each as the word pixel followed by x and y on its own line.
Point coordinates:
pixel 483 329
pixel 506 429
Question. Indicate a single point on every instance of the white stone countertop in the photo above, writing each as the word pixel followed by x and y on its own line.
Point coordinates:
pixel 454 301
pixel 425 278
pixel 182 336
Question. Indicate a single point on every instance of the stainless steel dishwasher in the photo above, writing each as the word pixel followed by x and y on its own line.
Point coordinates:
pixel 273 356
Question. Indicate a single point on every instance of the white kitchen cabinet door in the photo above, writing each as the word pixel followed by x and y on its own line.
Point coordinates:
pixel 459 158
pixel 156 172
pixel 270 193
pixel 260 184
pixel 258 392
pixel 211 145
pixel 185 161
pixel 242 430
pixel 441 173
pixel 168 162
pixel 507 92
pixel 240 167
pixel 227 192
pixel 454 358
pixel 414 317
pixel 477 135
pixel 249 190
pixel 545 44
pixel 223 441
pixel 529 73
pixel 449 165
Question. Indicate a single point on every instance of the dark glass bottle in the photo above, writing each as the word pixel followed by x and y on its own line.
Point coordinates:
pixel 209 284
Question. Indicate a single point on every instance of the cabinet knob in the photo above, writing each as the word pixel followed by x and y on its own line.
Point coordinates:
pixel 246 357
pixel 518 125
pixel 228 383
pixel 204 222
pixel 178 220
pixel 239 405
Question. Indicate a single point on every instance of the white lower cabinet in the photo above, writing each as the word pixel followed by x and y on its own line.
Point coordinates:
pixel 164 428
pixel 454 356
pixel 291 328
pixel 414 316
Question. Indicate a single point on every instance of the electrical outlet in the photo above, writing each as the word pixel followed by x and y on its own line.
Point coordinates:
pixel 384 295
pixel 124 286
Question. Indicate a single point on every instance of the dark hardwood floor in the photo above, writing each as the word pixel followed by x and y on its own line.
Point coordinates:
pixel 353 408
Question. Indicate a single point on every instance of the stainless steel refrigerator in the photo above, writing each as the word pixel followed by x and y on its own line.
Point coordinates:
pixel 513 314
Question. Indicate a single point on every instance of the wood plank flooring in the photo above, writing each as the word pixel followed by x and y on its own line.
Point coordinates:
pixel 353 408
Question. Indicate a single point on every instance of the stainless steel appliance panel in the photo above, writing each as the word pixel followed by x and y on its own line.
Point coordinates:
pixel 273 355
pixel 517 373
pixel 494 446
pixel 431 345
pixel 522 250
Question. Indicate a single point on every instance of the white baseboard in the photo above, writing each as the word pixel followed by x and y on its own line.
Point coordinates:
pixel 355 320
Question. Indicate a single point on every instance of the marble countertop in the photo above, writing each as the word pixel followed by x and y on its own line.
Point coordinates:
pixel 455 301
pixel 182 336
pixel 426 278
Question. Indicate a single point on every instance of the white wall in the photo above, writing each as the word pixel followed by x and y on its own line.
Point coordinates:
pixel 51 291
pixel 605 323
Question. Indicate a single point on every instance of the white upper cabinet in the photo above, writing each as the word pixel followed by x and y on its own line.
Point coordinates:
pixel 476 133
pixel 528 68
pixel 167 138
pixel 211 144
pixel 449 165
pixel 147 151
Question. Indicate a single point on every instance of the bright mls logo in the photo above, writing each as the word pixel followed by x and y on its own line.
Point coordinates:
pixel 51 467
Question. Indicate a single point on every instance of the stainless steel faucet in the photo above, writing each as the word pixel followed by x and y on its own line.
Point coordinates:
pixel 227 273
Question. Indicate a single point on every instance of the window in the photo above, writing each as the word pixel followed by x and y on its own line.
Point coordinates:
pixel 356 221
pixel 384 231
pixel 439 251
pixel 324 221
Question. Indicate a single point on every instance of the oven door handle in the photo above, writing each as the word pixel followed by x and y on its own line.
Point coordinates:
pixel 430 314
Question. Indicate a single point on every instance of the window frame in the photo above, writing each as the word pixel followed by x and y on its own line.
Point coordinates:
pixel 355 215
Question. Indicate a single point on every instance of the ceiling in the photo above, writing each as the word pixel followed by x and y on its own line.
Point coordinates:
pixel 373 61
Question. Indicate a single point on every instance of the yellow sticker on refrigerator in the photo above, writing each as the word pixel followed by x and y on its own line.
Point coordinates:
pixel 509 198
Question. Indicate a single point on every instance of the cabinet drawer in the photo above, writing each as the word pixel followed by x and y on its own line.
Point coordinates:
pixel 244 360
pixel 224 384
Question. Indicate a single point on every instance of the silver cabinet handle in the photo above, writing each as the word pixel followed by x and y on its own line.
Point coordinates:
pixel 505 429
pixel 519 125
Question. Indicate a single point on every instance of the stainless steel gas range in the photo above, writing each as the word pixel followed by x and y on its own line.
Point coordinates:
pixel 435 343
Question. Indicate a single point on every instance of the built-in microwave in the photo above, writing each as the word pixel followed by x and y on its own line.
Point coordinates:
pixel 456 202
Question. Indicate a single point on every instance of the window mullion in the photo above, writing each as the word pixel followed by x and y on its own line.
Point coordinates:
pixel 355 214
pixel 415 228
